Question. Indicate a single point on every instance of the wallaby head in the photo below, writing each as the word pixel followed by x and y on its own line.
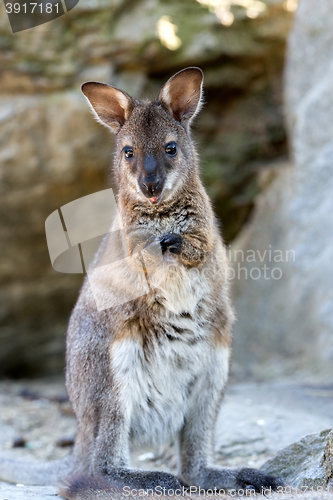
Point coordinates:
pixel 155 157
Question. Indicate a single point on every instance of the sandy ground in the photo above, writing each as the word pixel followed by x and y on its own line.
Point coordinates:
pixel 255 421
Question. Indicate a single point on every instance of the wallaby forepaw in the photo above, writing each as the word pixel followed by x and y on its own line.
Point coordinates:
pixel 171 242
pixel 160 480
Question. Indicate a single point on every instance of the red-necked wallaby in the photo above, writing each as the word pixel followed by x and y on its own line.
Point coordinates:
pixel 151 369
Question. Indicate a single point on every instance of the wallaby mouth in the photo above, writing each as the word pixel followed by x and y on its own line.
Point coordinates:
pixel 154 197
pixel 152 187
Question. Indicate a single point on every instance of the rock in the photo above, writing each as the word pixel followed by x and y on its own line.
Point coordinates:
pixel 44 164
pixel 53 152
pixel 285 322
pixel 262 342
pixel 65 441
pixel 304 464
pixel 327 460
pixel 19 442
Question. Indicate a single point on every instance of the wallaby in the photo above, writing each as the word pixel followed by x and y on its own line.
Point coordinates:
pixel 152 369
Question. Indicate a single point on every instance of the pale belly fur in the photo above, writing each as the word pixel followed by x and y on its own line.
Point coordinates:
pixel 158 387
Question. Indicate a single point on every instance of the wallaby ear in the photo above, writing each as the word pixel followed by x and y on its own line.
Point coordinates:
pixel 111 106
pixel 182 93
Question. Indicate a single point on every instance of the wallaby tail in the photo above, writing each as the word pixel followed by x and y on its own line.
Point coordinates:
pixel 89 488
pixel 35 473
pixel 83 487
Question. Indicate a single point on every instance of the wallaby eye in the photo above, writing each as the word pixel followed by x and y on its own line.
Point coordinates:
pixel 171 149
pixel 128 152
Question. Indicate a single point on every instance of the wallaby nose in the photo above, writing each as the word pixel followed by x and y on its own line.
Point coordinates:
pixel 149 164
pixel 150 184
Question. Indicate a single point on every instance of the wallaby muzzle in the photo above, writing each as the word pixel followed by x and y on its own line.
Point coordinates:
pixel 152 184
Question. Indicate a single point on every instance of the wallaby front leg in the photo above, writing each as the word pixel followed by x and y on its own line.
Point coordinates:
pixel 191 249
pixel 111 449
pixel 196 440
pixel 111 457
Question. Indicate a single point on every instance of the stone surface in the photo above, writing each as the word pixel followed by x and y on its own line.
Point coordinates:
pixel 303 464
pixel 49 145
pixel 327 461
pixel 286 324
pixel 53 152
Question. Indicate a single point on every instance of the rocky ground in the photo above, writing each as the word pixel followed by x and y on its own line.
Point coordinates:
pixel 255 421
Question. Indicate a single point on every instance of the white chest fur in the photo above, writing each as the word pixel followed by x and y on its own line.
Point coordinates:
pixel 181 289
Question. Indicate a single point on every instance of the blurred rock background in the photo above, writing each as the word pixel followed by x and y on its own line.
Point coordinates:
pixel 285 326
pixel 53 152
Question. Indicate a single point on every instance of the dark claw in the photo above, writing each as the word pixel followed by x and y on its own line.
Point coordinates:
pixel 250 488
pixel 254 479
pixel 171 242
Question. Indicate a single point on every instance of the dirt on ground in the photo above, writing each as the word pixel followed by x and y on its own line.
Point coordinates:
pixel 255 421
